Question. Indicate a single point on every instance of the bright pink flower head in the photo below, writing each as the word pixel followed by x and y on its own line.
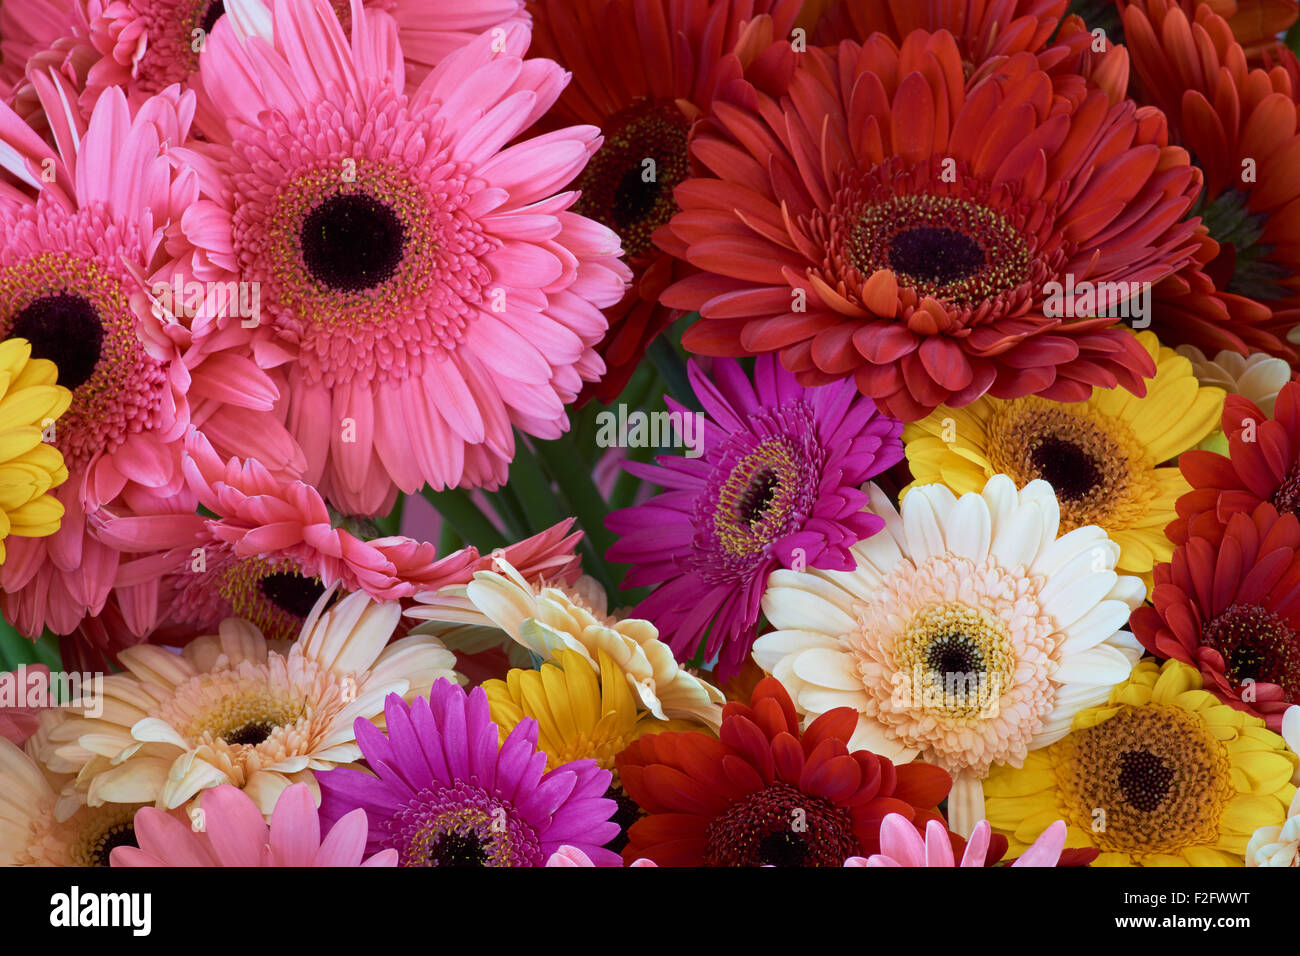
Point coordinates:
pixel 27 27
pixel 227 829
pixel 84 249
pixel 901 845
pixel 427 278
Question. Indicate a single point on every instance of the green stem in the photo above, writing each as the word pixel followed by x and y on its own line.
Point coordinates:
pixel 536 496
pixel 506 504
pixel 391 523
pixel 671 367
pixel 465 517
pixel 584 502
pixel 448 539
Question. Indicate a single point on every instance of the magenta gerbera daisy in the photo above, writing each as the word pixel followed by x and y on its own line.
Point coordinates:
pixel 84 248
pixel 430 281
pixel 777 485
pixel 445 793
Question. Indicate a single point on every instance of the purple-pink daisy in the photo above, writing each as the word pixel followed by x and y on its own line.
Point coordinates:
pixel 777 484
pixel 446 790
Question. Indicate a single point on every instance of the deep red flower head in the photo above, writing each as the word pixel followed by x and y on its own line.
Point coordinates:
pixel 889 221
pixel 1232 609
pixel 644 71
pixel 1241 124
pixel 766 794
pixel 1263 465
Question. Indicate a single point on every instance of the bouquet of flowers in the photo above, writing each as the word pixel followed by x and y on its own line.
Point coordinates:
pixel 649 433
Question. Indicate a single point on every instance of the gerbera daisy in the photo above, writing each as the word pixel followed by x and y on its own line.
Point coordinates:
pixel 144 46
pixel 450 792
pixel 777 485
pixel 1163 774
pixel 233 709
pixel 549 618
pixel 1262 465
pixel 83 249
pixel 767 793
pixel 1102 456
pixel 33 831
pixel 269 550
pixel 1257 377
pixel 1231 607
pixel 967 635
pixel 26 28
pixel 902 845
pixel 1240 124
pixel 227 828
pixel 30 465
pixel 430 281
pixel 915 247
pixel 579 717
pixel 644 71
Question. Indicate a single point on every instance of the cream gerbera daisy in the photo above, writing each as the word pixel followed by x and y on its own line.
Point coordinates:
pixel 37 829
pixel 547 619
pixel 237 709
pixel 1258 377
pixel 968 634
pixel 1106 458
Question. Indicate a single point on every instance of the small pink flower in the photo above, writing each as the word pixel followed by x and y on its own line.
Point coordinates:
pixel 901 845
pixel 572 856
pixel 227 829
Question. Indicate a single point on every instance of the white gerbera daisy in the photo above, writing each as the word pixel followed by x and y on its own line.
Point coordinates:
pixel 237 709
pixel 968 635
pixel 1258 377
pixel 547 619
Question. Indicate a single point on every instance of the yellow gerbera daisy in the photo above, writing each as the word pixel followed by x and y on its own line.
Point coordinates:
pixel 548 619
pixel 30 402
pixel 1100 456
pixel 1163 775
pixel 577 716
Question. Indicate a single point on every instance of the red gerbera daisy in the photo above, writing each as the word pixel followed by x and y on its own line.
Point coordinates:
pixel 888 221
pixel 1232 609
pixel 764 794
pixel 1241 125
pixel 1263 465
pixel 643 71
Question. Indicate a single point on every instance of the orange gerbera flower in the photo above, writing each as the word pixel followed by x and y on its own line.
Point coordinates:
pixel 890 221
pixel 644 71
pixel 1243 291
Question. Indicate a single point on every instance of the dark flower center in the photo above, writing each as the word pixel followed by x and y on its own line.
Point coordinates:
pixel 120 834
pixel 1287 497
pixel 1256 645
pixel 758 496
pixel 251 734
pixel 1066 467
pixel 628 185
pixel 954 654
pixel 627 814
pixel 353 242
pixel 780 826
pixel 292 592
pixel 211 15
pixel 65 329
pixel 1144 779
pixel 458 849
pixel 936 255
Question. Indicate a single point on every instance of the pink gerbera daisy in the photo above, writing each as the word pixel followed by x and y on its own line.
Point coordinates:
pixel 430 281
pixel 227 829
pixel 144 46
pixel 26 28
pixel 901 845
pixel 83 248
pixel 777 485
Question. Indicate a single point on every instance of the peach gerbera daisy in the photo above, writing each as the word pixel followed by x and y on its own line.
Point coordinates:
pixel 234 708
pixel 548 619
pixel 968 634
